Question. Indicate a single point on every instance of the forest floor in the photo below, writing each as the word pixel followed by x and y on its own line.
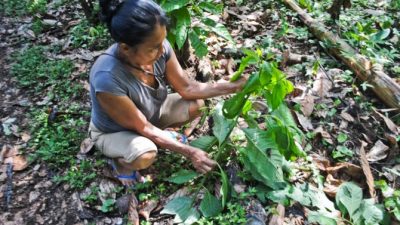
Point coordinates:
pixel 48 177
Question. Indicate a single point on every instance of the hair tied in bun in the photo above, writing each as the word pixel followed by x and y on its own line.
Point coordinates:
pixel 109 8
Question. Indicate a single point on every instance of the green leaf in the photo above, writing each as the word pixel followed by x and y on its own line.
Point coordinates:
pixel 320 218
pixel 234 106
pixel 349 198
pixel 204 142
pixel 222 126
pixel 371 213
pixel 342 137
pixel 210 205
pixel 261 167
pixel 108 205
pixel 183 23
pixel 211 7
pixel 200 48
pixel 263 140
pixel 252 84
pixel 381 35
pixel 225 188
pixel 171 5
pixel 218 28
pixel 192 217
pixel 243 65
pixel 180 207
pixel 265 73
pixel 182 176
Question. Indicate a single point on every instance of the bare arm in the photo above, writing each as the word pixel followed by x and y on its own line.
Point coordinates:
pixel 190 89
pixel 123 111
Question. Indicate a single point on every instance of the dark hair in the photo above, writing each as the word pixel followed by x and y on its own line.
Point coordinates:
pixel 132 21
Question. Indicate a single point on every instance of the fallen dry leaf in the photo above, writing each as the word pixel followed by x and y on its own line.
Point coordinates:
pixel 367 170
pixel 279 217
pixel 133 216
pixel 378 152
pixel 19 162
pixel 321 162
pixel 348 168
pixel 325 135
pixel 86 146
pixel 322 84
pixel 147 207
pixel 307 105
pixel 389 123
pixel 346 116
pixel 8 151
pixel 331 185
pixel 304 122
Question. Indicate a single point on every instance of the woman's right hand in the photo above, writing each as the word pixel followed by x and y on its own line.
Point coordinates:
pixel 201 161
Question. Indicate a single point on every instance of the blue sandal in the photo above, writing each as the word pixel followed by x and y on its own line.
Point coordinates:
pixel 118 176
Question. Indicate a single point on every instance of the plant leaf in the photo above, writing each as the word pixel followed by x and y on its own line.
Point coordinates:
pixel 225 188
pixel 182 176
pixel 211 7
pixel 234 106
pixel 180 207
pixel 204 142
pixel 320 218
pixel 381 35
pixel 261 167
pixel 218 28
pixel 222 126
pixel 183 23
pixel 200 48
pixel 171 5
pixel 349 198
pixel 210 205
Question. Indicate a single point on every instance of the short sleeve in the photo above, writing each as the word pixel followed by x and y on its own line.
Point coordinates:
pixel 104 81
pixel 167 50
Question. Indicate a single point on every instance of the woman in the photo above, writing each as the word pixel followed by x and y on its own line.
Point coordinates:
pixel 130 104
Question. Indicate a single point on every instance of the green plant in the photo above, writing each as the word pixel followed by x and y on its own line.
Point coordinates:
pixel 39 74
pixel 342 152
pixel 108 205
pixel 91 198
pixel 85 35
pixel 13 7
pixel 349 199
pixel 56 143
pixel 183 13
pixel 391 198
pixel 79 175
pixel 37 6
pixel 266 152
pixel 235 214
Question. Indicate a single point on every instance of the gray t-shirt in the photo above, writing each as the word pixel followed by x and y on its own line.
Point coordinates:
pixel 109 75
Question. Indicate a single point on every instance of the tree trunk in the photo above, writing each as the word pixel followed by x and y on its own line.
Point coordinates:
pixel 383 86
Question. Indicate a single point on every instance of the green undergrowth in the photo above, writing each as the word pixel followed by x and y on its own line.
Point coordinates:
pixel 41 75
pixel 370 27
pixel 58 124
pixel 93 37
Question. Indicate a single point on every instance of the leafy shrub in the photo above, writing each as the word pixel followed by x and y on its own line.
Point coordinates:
pixel 183 13
pixel 91 37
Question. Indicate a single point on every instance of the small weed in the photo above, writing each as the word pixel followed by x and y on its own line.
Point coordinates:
pixel 58 143
pixel 78 176
pixel 84 35
pixel 91 198
pixel 13 7
pixel 36 72
pixel 235 214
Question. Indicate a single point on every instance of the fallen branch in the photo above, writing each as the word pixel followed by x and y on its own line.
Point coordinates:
pixel 383 86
